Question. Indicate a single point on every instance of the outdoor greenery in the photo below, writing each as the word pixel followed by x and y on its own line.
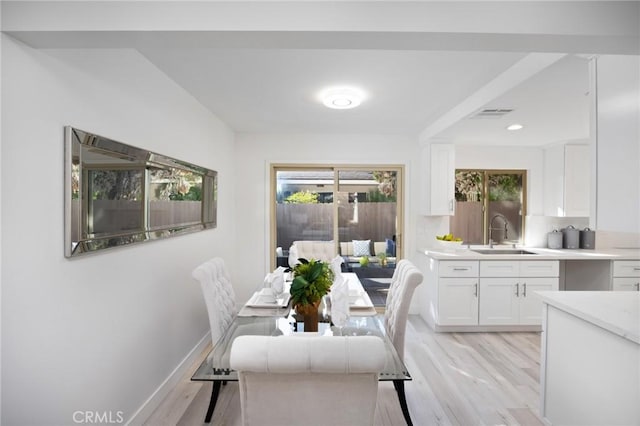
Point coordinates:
pixel 468 186
pixel 502 187
pixel 302 197
pixel 386 183
pixel 505 187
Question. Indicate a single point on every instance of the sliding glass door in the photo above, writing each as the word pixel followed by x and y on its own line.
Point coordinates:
pixel 490 205
pixel 345 205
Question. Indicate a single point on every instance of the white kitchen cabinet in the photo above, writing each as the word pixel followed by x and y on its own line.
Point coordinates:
pixel 566 169
pixel 507 291
pixel 499 304
pixel 449 296
pixel 438 178
pixel 458 301
pixel 626 275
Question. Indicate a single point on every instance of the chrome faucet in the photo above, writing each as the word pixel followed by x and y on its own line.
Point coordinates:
pixel 491 228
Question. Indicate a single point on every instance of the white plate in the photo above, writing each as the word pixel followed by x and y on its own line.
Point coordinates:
pixel 360 302
pixel 260 301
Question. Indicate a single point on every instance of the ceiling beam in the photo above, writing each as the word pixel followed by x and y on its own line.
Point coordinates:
pixel 571 26
pixel 510 78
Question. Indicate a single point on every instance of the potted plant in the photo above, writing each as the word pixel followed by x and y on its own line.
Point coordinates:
pixel 383 259
pixel 312 279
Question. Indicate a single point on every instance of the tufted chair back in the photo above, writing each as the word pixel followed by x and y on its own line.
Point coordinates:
pixel 218 295
pixel 319 250
pixel 310 380
pixel 403 283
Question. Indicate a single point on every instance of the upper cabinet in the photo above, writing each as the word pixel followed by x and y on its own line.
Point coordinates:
pixel 438 179
pixel 567 177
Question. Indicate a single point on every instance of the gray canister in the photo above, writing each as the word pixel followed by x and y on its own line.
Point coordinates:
pixel 571 237
pixel 587 239
pixel 554 239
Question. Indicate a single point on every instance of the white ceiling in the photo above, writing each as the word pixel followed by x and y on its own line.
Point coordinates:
pixel 425 66
pixel 276 91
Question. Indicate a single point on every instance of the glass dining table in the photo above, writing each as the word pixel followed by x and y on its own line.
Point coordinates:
pixel 362 322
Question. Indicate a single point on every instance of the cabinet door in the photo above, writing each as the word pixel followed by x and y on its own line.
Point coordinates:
pixel 577 164
pixel 530 302
pixel 457 301
pixel 626 284
pixel 438 162
pixel 499 301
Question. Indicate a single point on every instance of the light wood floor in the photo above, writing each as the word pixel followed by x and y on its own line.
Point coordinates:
pixel 458 379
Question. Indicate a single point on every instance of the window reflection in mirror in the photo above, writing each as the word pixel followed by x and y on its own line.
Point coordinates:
pixel 117 194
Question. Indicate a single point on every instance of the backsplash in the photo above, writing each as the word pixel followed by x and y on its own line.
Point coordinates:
pixel 537 227
pixel 613 239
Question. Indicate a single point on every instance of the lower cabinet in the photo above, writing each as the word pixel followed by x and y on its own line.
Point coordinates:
pixel 511 301
pixel 488 293
pixel 458 301
pixel 626 275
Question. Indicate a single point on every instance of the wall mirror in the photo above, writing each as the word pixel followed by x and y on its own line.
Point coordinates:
pixel 117 194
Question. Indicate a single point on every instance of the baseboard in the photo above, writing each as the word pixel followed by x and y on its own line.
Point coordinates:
pixel 156 398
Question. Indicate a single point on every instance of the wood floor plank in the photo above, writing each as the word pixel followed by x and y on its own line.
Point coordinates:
pixel 464 379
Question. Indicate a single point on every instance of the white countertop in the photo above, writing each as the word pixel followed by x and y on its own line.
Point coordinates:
pixel 463 253
pixel 615 311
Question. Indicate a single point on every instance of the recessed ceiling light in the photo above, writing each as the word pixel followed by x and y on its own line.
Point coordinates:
pixel 342 98
pixel 515 126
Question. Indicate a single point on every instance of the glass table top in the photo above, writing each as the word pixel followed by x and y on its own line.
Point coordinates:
pixel 216 366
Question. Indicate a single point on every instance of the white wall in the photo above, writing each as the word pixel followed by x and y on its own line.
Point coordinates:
pixel 255 153
pixel 618 144
pixel 101 332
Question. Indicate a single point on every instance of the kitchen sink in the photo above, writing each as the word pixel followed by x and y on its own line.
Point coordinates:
pixel 503 251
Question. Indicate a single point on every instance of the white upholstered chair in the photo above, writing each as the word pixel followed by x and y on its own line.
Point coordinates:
pixel 218 295
pixel 308 380
pixel 221 307
pixel 405 279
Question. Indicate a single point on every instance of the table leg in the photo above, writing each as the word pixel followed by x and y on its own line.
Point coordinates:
pixel 399 385
pixel 214 398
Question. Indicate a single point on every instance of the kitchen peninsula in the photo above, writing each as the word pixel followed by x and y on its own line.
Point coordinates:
pixel 590 369
pixel 480 289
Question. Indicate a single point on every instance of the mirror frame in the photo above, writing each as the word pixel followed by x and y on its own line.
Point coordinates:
pixel 80 144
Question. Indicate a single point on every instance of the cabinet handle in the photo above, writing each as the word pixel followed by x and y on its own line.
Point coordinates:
pixel 637 286
pixel 460 269
pixel 517 290
pixel 636 269
pixel 524 290
pixel 475 292
pixel 450 205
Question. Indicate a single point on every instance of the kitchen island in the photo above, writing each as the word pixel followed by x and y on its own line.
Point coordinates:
pixel 590 358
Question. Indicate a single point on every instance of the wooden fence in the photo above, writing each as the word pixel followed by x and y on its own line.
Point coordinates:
pixel 373 221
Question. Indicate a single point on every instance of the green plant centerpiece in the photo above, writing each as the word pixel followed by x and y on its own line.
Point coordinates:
pixel 312 279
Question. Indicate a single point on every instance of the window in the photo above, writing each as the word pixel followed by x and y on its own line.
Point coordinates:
pixel 339 205
pixel 490 205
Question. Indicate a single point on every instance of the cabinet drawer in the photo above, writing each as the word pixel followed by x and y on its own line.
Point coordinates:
pixel 626 268
pixel 539 268
pixel 462 268
pixel 499 268
pixel 626 284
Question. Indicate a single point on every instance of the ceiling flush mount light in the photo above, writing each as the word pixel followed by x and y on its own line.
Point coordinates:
pixel 515 126
pixel 342 98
